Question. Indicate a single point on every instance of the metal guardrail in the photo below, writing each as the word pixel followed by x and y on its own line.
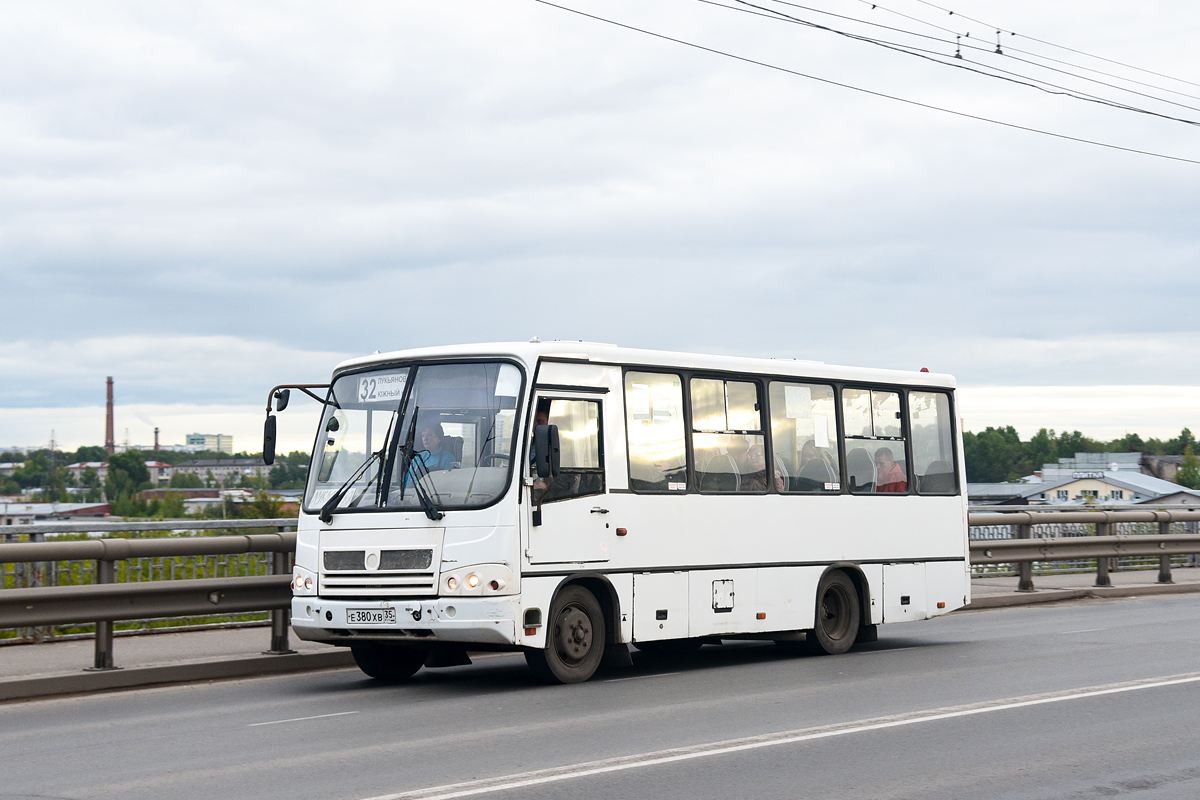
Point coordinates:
pixel 105 601
pixel 1024 550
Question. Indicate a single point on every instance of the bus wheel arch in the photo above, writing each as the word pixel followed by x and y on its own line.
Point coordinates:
pixel 580 623
pixel 840 603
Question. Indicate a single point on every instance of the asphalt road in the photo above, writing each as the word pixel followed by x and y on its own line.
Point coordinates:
pixel 1094 699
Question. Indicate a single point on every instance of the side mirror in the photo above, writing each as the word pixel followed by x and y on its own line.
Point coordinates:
pixel 269 441
pixel 281 399
pixel 546 453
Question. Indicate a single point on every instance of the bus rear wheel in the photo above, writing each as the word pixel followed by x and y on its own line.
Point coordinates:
pixel 389 662
pixel 838 616
pixel 574 639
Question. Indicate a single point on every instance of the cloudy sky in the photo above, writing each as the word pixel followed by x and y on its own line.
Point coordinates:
pixel 204 200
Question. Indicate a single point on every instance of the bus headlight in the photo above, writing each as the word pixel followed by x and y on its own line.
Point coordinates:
pixel 480 580
pixel 303 582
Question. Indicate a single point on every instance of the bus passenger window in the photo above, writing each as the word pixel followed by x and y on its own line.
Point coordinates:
pixel 929 420
pixel 727 437
pixel 582 471
pixel 804 437
pixel 875 455
pixel 654 430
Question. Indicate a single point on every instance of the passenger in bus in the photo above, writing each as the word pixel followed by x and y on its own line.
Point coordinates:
pixel 891 474
pixel 755 477
pixel 541 416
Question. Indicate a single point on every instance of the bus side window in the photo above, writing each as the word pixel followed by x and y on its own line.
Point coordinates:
pixel 875 457
pixel 654 431
pixel 727 438
pixel 929 420
pixel 804 437
pixel 581 457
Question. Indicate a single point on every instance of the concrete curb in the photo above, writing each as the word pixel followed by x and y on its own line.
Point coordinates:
pixel 75 683
pixel 1057 595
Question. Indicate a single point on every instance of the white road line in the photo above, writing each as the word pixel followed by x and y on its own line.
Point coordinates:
pixel 622 763
pixel 300 719
pixel 641 677
pixel 1085 630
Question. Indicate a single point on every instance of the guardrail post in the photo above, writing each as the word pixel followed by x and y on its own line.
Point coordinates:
pixel 1025 568
pixel 105 573
pixel 1102 578
pixel 1164 562
pixel 280 617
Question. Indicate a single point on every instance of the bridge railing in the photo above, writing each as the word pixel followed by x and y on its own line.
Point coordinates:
pixel 1019 540
pixel 106 580
pixel 102 581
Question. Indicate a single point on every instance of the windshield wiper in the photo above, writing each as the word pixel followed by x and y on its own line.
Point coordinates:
pixel 331 504
pixel 407 470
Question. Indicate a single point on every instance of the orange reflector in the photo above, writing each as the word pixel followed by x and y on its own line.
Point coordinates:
pixel 941 605
pixel 531 631
pixel 621 531
pixel 761 615
pixel 495 585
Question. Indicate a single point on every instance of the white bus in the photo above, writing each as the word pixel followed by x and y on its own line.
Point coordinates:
pixel 568 499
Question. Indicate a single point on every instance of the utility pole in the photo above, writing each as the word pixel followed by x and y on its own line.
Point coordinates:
pixel 110 443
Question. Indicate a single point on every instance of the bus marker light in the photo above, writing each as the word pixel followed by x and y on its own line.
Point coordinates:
pixel 941 605
pixel 452 583
pixel 472 580
pixel 622 531
pixel 496 585
pixel 531 631
pixel 761 615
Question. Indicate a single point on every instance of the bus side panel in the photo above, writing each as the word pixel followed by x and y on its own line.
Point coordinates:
pixel 660 606
pixel 904 592
pixel 947 583
pixel 723 601
pixel 874 575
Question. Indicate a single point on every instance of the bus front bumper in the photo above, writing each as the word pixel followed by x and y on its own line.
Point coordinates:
pixel 482 620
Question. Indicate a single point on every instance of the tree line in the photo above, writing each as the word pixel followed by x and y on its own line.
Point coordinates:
pixel 997 454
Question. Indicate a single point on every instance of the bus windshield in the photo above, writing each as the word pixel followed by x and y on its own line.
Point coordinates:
pixel 448 436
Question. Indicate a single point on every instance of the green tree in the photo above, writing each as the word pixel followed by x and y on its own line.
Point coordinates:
pixel 1042 449
pixel 995 455
pixel 186 480
pixel 90 453
pixel 262 507
pixel 1189 471
pixel 127 475
pixel 172 506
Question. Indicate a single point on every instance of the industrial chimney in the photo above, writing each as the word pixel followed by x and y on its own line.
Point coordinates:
pixel 110 443
pixel 156 440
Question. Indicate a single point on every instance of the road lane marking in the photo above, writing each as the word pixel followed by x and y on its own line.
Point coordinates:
pixel 654 758
pixel 641 677
pixel 300 719
pixel 1085 630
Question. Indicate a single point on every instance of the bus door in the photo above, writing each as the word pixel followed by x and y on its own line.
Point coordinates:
pixel 573 505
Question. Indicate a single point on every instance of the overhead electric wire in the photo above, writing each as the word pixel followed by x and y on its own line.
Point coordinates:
pixel 860 89
pixel 970 46
pixel 948 61
pixel 1009 47
pixel 1059 46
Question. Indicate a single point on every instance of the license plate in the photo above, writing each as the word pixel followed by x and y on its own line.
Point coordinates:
pixel 371 616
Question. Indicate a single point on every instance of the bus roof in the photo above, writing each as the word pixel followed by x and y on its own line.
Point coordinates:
pixel 530 352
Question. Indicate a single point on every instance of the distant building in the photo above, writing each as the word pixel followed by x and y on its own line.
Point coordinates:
pixel 21 513
pixel 1165 467
pixel 215 442
pixel 223 469
pixel 1109 487
pixel 159 472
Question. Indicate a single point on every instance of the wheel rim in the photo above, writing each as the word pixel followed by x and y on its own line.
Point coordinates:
pixel 835 613
pixel 573 635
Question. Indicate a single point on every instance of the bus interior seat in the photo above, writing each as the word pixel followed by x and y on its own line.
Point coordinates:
pixel 455 445
pixel 782 470
pixel 938 478
pixel 720 474
pixel 813 476
pixel 860 468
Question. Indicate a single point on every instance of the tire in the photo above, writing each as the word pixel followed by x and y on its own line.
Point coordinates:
pixel 838 616
pixel 670 647
pixel 389 662
pixel 574 639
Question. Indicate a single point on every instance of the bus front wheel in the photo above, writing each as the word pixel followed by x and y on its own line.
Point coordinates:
pixel 838 616
pixel 574 639
pixel 389 662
